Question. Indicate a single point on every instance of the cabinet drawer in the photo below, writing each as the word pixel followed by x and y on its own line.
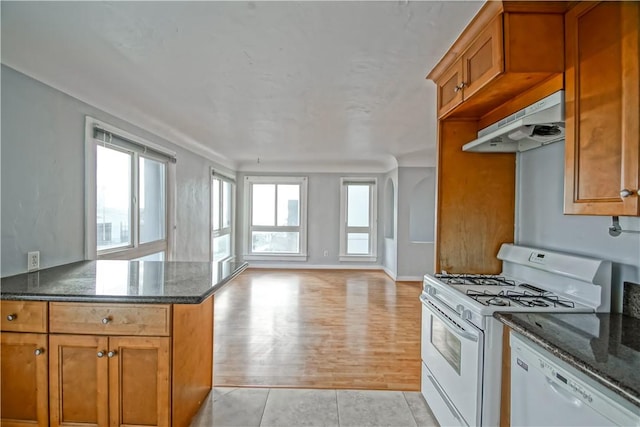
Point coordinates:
pixel 26 316
pixel 110 319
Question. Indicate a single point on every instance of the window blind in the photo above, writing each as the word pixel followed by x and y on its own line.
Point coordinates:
pixel 111 139
pixel 222 176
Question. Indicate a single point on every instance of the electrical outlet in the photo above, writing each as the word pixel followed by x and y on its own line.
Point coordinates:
pixel 326 252
pixel 33 261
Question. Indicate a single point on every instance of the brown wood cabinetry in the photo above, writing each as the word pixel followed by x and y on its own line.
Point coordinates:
pixel 24 385
pixel 23 364
pixel 111 319
pixel 23 316
pixel 475 202
pixel 99 380
pixel 602 154
pixel 79 380
pixel 508 48
pixel 105 364
pixel 509 56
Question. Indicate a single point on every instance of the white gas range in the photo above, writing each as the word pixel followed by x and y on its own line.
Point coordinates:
pixel 461 341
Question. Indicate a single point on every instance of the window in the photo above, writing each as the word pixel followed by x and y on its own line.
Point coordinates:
pixel 128 195
pixel 276 217
pixel 358 219
pixel 222 189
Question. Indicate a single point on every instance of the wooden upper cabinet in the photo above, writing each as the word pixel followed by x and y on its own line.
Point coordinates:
pixel 602 151
pixel 507 48
pixel 449 88
pixel 483 61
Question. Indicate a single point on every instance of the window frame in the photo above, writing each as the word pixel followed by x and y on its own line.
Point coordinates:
pixel 222 231
pixel 373 219
pixel 301 228
pixel 135 249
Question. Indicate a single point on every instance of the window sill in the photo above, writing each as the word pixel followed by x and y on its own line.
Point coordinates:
pixel 275 257
pixel 358 258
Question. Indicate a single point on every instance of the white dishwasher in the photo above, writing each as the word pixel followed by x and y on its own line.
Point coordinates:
pixel 546 391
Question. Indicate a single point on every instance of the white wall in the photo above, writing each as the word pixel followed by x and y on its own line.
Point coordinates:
pixel 416 213
pixel 541 223
pixel 323 208
pixel 43 178
pixel 389 220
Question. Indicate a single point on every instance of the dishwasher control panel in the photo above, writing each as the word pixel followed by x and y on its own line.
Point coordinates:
pixel 563 380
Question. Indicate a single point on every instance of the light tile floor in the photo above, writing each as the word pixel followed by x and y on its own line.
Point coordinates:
pixel 253 407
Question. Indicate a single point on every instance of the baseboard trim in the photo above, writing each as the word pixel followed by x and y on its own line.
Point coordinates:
pixel 287 266
pixel 390 273
pixel 409 279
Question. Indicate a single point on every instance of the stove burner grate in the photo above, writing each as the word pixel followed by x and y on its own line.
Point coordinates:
pixel 475 279
pixel 524 299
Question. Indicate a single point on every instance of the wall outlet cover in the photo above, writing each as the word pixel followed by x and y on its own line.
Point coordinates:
pixel 33 261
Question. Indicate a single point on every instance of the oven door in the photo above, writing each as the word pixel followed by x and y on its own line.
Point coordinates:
pixel 452 350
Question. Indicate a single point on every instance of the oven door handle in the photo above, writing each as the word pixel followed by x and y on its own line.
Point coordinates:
pixel 461 332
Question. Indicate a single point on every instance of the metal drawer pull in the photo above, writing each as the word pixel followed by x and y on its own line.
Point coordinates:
pixel 38 351
pixel 101 353
pixel 112 353
pixel 106 320
pixel 12 317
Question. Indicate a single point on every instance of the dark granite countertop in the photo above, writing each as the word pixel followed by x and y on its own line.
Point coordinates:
pixel 604 346
pixel 171 282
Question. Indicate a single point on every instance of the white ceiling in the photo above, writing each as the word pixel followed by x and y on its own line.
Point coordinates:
pixel 299 85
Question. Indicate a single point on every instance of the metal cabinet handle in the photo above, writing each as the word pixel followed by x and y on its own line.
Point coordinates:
pixel 459 87
pixel 625 193
pixel 106 320
pixel 12 317
pixel 38 351
pixel 101 353
pixel 112 353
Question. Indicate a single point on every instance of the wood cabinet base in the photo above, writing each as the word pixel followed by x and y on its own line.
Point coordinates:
pixel 100 377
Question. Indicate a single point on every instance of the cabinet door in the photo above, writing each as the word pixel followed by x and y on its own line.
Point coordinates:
pixel 449 89
pixel 78 368
pixel 139 381
pixel 24 385
pixel 602 109
pixel 483 60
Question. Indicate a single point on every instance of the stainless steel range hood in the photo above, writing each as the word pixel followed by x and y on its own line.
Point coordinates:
pixel 536 125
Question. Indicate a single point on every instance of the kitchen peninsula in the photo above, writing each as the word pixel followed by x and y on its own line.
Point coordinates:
pixel 109 342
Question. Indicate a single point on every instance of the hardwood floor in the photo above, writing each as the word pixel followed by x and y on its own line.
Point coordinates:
pixel 345 329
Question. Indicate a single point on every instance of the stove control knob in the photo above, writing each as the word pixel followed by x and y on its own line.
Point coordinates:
pixel 432 291
pixel 466 315
pixel 460 308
